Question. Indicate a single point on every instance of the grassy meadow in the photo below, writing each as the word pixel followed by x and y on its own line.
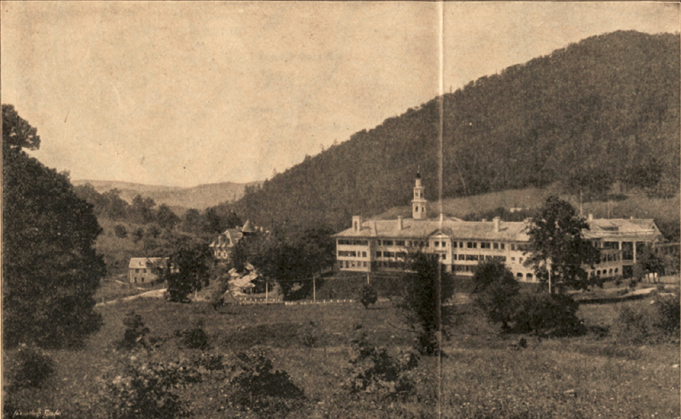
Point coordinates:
pixel 484 373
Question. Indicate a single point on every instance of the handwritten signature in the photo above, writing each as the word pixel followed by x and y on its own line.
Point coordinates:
pixel 38 413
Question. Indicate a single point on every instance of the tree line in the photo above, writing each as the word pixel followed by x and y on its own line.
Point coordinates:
pixel 144 210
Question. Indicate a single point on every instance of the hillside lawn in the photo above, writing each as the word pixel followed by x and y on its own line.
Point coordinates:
pixel 635 204
pixel 591 376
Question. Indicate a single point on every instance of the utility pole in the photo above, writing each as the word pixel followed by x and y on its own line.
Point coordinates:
pixel 314 289
pixel 548 265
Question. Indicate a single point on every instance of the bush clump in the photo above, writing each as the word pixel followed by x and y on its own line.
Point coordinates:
pixel 496 292
pixel 135 332
pixel 145 390
pixel 257 386
pixel 31 369
pixel 308 335
pixel 634 325
pixel 649 324
pixel 367 296
pixel 375 372
pixel 195 338
pixel 547 315
pixel 669 311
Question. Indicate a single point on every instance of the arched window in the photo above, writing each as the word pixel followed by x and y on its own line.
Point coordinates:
pixel 520 275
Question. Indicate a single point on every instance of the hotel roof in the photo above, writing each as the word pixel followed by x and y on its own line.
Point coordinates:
pixel 419 229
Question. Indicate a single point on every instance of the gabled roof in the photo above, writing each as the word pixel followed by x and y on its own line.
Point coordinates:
pixel 233 234
pixel 145 262
pixel 420 229
pixel 248 227
pixel 602 227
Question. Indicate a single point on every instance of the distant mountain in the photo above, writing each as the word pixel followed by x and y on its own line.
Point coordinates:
pixel 600 112
pixel 199 197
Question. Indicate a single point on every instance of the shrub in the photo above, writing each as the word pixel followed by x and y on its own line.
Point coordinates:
pixel 260 388
pixel 209 361
pixel 308 335
pixel 374 371
pixel 669 309
pixel 367 296
pixel 547 314
pixel 135 332
pixel 495 292
pixel 634 325
pixel 145 390
pixel 195 338
pixel 32 368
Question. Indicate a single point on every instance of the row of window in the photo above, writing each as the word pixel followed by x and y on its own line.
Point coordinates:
pixel 387 254
pixel 353 242
pixel 481 257
pixel 609 257
pixel 605 272
pixel 138 271
pixel 352 264
pixel 351 253
pixel 462 245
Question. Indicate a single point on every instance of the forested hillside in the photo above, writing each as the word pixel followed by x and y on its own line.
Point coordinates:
pixel 596 113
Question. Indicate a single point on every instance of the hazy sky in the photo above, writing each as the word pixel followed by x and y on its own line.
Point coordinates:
pixel 185 93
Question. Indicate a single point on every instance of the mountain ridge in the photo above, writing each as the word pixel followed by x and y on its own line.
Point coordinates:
pixel 596 113
pixel 199 197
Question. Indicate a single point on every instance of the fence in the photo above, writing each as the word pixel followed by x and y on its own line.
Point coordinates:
pixel 306 302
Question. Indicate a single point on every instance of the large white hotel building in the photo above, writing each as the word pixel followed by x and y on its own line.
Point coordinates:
pixel 375 245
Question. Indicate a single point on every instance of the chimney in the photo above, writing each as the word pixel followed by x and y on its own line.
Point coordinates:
pixel 399 223
pixel 590 217
pixel 496 222
pixel 357 223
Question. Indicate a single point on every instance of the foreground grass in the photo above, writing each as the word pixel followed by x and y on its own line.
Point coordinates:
pixel 483 375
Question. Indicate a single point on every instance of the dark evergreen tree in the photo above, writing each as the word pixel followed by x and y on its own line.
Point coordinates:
pixel 419 302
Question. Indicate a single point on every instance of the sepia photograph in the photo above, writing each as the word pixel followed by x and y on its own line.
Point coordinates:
pixel 340 209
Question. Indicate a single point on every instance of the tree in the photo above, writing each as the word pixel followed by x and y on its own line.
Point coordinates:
pixel 166 217
pixel 419 300
pixel 115 207
pixel 495 292
pixel 137 234
pixel 556 240
pixel 141 210
pixel 191 221
pixel 17 133
pixel 187 270
pixel 50 268
pixel 367 296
